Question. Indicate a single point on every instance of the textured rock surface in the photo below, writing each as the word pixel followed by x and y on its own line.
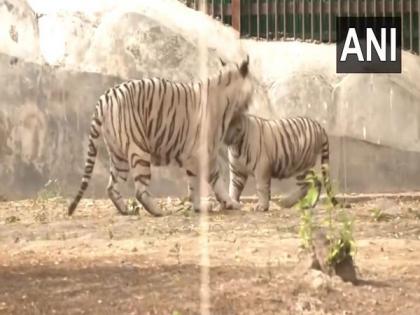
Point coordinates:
pixel 45 109
pixel 19 34
pixel 301 80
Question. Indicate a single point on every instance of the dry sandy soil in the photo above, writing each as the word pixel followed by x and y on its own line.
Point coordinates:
pixel 99 262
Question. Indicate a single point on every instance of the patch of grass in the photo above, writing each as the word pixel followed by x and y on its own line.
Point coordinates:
pixel 176 250
pixel 51 191
pixel 306 227
pixel 41 217
pixel 133 206
pixel 11 219
pixel 414 213
pixel 312 196
pixel 342 243
pixel 378 215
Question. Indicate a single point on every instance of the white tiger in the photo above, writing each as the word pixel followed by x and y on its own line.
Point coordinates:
pixel 157 121
pixel 275 149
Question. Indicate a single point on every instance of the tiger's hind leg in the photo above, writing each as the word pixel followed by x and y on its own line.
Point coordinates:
pixel 193 188
pixel 192 184
pixel 119 171
pixel 301 192
pixel 141 172
pixel 237 182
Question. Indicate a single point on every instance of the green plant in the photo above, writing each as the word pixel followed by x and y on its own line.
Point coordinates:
pixel 304 205
pixel 379 216
pixel 133 206
pixel 50 190
pixel 339 230
pixel 342 244
pixel 312 196
pixel 306 228
pixel 11 219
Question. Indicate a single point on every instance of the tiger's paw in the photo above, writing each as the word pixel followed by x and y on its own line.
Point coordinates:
pixel 155 212
pixel 204 206
pixel 260 208
pixel 288 202
pixel 232 205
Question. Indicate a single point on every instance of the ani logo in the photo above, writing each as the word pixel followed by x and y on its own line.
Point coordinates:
pixel 368 44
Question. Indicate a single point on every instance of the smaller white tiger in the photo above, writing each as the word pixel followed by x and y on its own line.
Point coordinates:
pixel 276 149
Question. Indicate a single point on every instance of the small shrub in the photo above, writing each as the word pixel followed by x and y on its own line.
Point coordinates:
pixel 342 244
pixel 306 227
pixel 339 229
pixel 133 206
pixel 378 215
pixel 312 196
pixel 11 219
pixel 50 190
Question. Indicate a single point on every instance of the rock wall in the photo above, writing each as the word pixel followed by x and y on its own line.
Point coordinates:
pixel 45 109
pixel 19 34
pixel 44 121
pixel 300 79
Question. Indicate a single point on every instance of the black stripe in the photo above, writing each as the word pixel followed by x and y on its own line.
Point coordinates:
pixel 111 111
pixel 142 179
pixel 227 107
pixel 93 132
pixel 92 151
pixel 152 97
pixel 97 121
pixel 141 162
pixel 238 184
pixel 229 78
pixel 159 114
pixel 189 173
pixel 213 178
pixel 283 141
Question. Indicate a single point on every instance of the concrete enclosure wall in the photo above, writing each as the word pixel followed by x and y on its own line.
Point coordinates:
pixel 45 108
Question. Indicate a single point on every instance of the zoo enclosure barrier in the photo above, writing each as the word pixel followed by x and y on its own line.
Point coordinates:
pixel 309 20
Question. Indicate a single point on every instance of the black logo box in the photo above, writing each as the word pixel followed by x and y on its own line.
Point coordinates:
pixel 352 64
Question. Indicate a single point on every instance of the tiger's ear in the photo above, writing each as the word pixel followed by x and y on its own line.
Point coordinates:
pixel 243 69
pixel 222 62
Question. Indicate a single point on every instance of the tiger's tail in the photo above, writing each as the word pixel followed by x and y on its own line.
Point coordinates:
pixel 325 159
pixel 94 135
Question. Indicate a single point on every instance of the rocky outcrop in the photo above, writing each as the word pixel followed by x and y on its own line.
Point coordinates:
pixel 45 109
pixel 378 108
pixel 19 35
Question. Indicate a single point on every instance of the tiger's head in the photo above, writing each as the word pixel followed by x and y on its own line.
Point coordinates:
pixel 238 85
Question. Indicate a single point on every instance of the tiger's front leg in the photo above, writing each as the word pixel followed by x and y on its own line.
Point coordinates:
pixel 198 203
pixel 220 190
pixel 263 179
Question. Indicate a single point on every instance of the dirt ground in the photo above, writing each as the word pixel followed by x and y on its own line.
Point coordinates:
pixel 99 262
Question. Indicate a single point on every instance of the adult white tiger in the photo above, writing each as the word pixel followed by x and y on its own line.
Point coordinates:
pixel 156 121
pixel 275 149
